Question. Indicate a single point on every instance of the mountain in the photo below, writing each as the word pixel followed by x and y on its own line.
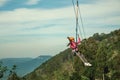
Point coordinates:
pixel 101 50
pixel 24 65
pixel 11 61
pixel 28 66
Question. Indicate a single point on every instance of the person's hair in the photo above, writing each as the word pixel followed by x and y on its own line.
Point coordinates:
pixel 71 38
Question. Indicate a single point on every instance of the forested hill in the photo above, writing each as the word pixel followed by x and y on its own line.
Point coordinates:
pixel 102 50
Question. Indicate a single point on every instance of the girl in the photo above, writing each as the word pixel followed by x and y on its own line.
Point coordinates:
pixel 74 46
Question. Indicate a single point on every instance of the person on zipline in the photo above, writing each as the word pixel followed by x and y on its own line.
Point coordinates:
pixel 74 46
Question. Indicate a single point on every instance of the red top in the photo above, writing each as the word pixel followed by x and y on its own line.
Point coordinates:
pixel 73 44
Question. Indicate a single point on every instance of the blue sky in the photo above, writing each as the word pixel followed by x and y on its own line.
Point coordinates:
pixel 29 28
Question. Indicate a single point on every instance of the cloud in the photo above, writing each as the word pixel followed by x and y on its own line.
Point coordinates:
pixel 13 21
pixel 38 31
pixel 3 2
pixel 24 14
pixel 32 2
pixel 100 10
pixel 24 21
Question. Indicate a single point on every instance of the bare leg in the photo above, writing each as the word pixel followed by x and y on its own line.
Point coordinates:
pixel 83 59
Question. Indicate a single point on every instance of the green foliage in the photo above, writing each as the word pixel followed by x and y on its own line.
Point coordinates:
pixel 102 50
pixel 3 69
pixel 12 74
pixel 75 76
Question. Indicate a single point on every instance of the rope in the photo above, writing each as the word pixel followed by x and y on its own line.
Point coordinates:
pixel 77 24
pixel 76 15
pixel 81 19
pixel 81 29
pixel 80 32
pixel 74 7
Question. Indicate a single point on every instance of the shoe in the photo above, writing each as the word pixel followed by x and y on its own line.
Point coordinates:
pixel 87 64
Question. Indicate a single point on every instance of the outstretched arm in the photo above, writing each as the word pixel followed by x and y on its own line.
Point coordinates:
pixel 68 44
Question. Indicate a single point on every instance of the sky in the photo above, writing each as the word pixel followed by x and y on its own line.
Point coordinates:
pixel 30 28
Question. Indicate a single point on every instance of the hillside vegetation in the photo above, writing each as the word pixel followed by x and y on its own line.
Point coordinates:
pixel 102 50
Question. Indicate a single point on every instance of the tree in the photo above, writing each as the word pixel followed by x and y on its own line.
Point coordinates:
pixel 3 69
pixel 12 74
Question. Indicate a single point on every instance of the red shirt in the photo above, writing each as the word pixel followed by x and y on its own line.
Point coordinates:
pixel 73 44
